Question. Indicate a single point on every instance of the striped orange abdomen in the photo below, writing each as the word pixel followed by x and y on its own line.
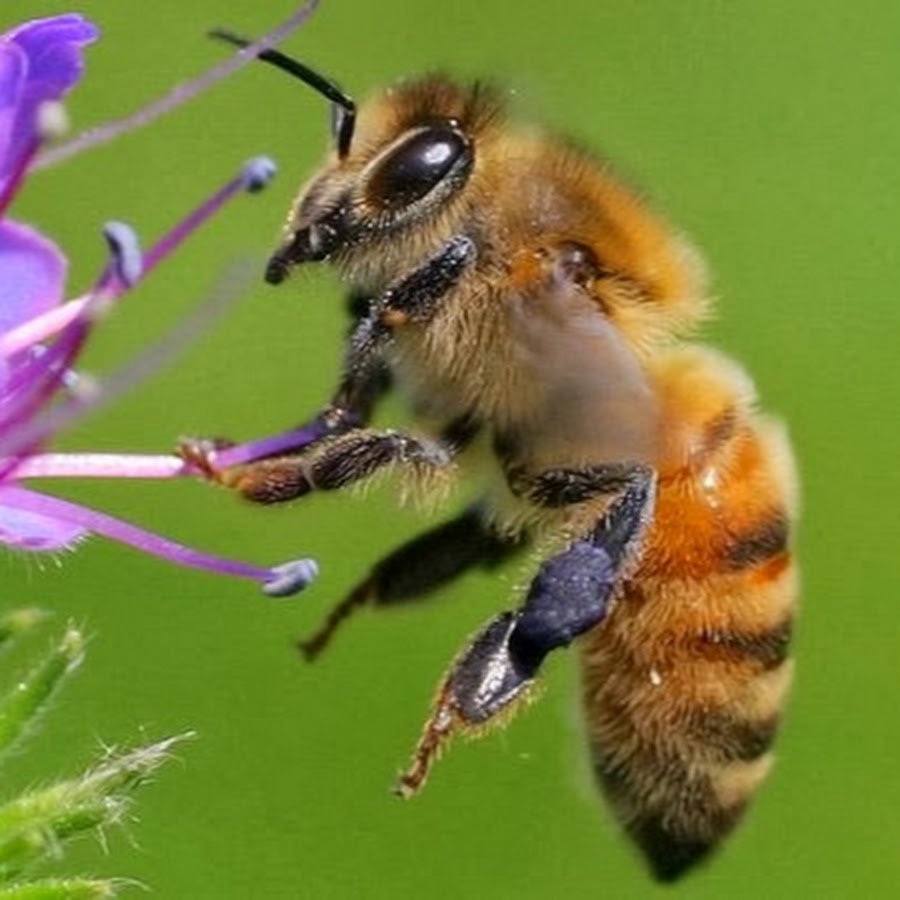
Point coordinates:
pixel 685 681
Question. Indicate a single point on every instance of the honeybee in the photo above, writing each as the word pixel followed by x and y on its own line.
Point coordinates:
pixel 534 310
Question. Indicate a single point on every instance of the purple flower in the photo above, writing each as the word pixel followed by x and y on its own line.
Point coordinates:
pixel 42 336
pixel 39 62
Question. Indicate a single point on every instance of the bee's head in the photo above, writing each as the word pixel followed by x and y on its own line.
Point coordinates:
pixel 375 193
pixel 396 185
pixel 400 162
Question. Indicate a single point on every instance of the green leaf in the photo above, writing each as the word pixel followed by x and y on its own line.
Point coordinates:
pixel 20 706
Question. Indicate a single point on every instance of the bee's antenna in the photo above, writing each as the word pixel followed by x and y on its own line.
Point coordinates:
pixel 345 108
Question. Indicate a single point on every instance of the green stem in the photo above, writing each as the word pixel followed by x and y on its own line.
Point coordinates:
pixel 30 695
pixel 33 825
pixel 62 889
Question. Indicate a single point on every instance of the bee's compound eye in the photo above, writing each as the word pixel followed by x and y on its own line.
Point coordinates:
pixel 411 170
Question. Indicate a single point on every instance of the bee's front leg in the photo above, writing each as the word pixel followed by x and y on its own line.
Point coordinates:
pixel 364 380
pixel 569 596
pixel 334 464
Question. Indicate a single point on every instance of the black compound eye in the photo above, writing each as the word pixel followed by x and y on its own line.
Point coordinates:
pixel 416 166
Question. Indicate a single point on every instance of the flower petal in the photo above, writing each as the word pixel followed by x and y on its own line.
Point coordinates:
pixel 52 65
pixel 32 274
pixel 54 46
pixel 34 532
pixel 13 66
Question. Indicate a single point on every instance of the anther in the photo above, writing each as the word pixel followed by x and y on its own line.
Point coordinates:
pixel 291 578
pixel 51 120
pixel 127 261
pixel 257 173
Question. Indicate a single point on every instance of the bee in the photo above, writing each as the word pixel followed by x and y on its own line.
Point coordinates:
pixel 535 311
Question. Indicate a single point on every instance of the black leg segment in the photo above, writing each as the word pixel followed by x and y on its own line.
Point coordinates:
pixel 438 556
pixel 569 596
pixel 556 488
pixel 418 568
pixel 416 297
pixel 365 377
pixel 333 464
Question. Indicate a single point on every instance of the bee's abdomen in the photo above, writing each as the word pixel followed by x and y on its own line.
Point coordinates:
pixel 685 682
pixel 681 737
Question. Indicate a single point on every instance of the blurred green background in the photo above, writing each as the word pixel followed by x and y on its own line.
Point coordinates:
pixel 770 133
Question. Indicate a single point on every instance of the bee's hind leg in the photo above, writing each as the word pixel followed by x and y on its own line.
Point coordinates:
pixel 569 596
pixel 417 568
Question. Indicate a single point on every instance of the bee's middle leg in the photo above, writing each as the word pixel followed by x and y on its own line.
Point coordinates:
pixel 569 595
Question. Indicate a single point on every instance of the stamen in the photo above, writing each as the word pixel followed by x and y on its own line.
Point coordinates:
pixel 47 372
pixel 41 327
pixel 33 432
pixel 38 381
pixel 21 378
pixel 126 261
pixel 81 387
pixel 22 375
pixel 257 173
pixel 288 441
pixel 100 465
pixel 127 265
pixel 170 242
pixel 278 581
pixel 180 94
pixel 51 120
pixel 290 578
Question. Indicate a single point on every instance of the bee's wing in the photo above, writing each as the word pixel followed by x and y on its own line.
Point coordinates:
pixel 590 399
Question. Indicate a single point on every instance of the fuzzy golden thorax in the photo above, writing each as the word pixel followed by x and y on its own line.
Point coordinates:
pixel 517 343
